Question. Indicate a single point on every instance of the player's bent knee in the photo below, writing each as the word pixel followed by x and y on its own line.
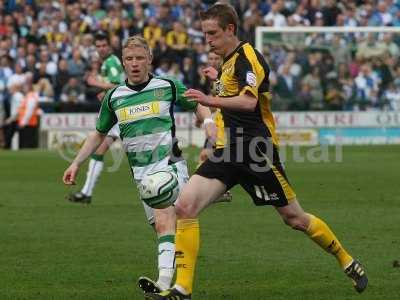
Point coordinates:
pixel 296 222
pixel 185 209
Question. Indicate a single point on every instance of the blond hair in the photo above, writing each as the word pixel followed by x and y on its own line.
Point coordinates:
pixel 136 41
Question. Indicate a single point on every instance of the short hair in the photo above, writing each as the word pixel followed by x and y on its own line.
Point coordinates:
pixel 137 41
pixel 224 13
pixel 101 36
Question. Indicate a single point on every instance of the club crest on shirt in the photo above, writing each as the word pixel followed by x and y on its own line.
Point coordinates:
pixel 251 78
pixel 159 93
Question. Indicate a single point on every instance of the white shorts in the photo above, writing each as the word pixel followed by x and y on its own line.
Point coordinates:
pixel 114 132
pixel 183 178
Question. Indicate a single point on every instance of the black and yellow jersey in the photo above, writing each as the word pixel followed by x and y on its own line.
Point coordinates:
pixel 246 71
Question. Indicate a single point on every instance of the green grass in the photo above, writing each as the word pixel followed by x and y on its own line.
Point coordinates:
pixel 52 249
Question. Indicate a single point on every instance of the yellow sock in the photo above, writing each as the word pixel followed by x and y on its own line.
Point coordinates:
pixel 187 242
pixel 320 233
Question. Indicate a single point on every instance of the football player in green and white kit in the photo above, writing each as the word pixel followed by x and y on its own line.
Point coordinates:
pixel 112 74
pixel 143 109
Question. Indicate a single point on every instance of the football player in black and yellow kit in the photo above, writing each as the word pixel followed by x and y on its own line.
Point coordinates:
pixel 249 156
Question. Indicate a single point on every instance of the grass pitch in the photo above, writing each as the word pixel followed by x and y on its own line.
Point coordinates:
pixel 53 249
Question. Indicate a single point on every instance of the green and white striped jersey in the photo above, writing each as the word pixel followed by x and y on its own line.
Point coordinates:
pixel 112 70
pixel 145 118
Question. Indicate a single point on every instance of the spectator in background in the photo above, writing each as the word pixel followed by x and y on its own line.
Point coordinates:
pixel 32 49
pixel 319 19
pixel 174 71
pixel 194 31
pixel 391 97
pixel 15 89
pixel 128 28
pixel 28 116
pixel 152 32
pixel 313 80
pixel 383 73
pixel 286 87
pixel 87 48
pixel 2 121
pixel 274 18
pixel 367 88
pixel 330 12
pixel 334 97
pixel 18 76
pixel 304 98
pixel 350 16
pixel 21 57
pixel 62 77
pixel 370 47
pixel 160 52
pixel 5 69
pixel 45 90
pixel 93 71
pixel 381 16
pixel 45 65
pixel 340 50
pixel 73 92
pixel 30 64
pixel 164 17
pixel 199 52
pixel 76 65
pixel 391 47
pixel 346 85
pixel 163 68
pixel 177 41
pixel 54 52
pixel 40 73
pixel 189 72
pixel 115 44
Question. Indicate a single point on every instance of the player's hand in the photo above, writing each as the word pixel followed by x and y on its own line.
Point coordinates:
pixel 100 96
pixel 70 174
pixel 200 97
pixel 211 132
pixel 91 80
pixel 210 72
pixel 204 154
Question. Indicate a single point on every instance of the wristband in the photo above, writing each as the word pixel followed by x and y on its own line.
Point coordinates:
pixel 208 121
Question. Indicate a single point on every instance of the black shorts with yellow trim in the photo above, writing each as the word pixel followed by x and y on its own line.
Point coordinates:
pixel 256 167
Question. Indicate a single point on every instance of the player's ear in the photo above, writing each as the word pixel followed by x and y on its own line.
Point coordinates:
pixel 231 29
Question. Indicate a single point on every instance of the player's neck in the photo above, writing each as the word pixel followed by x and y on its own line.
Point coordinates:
pixel 137 86
pixel 231 47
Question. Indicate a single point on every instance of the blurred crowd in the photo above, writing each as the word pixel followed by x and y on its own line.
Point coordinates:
pixel 335 71
pixel 47 47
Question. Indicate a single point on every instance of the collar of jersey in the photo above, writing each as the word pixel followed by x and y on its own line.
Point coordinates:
pixel 233 52
pixel 140 86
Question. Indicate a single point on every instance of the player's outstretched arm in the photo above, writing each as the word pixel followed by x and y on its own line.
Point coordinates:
pixel 203 115
pixel 91 144
pixel 244 102
pixel 93 81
